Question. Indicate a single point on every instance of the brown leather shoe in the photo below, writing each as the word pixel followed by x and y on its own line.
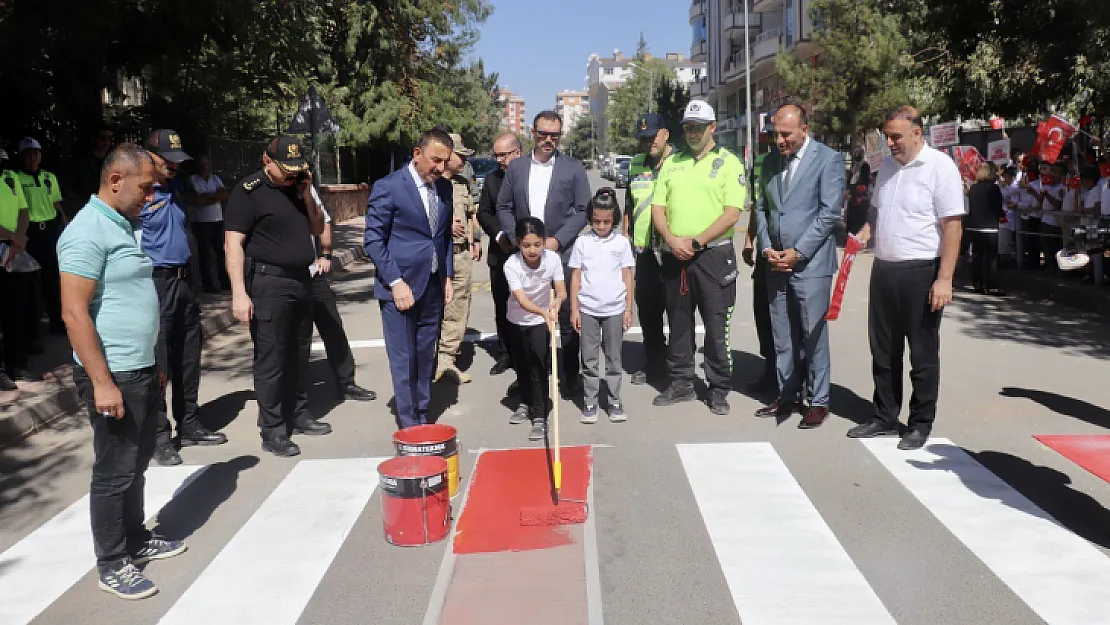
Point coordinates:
pixel 779 409
pixel 815 416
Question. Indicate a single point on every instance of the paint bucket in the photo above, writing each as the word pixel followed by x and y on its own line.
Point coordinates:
pixel 432 440
pixel 415 506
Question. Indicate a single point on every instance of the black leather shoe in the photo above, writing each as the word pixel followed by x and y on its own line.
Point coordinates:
pixel 6 383
pixel 718 401
pixel 779 409
pixel 675 393
pixel 202 436
pixel 814 417
pixel 357 393
pixel 914 439
pixel 871 429
pixel 281 446
pixel 501 366
pixel 311 427
pixel 640 377
pixel 166 456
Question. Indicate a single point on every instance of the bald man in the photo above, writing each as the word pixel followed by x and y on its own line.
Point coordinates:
pixel 506 148
pixel 802 186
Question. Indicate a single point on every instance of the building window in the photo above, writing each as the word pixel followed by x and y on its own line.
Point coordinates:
pixel 701 30
pixel 608 71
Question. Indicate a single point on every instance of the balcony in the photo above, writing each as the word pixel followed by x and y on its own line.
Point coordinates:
pixel 767 5
pixel 700 87
pixel 766 45
pixel 698 51
pixel 699 8
pixel 734 66
pixel 733 21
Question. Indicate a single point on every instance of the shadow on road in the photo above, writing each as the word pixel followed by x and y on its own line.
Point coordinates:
pixel 194 504
pixel 1031 323
pixel 220 412
pixel 1061 404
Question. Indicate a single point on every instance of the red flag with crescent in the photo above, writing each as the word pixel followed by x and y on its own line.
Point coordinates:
pixel 1051 137
pixel 851 249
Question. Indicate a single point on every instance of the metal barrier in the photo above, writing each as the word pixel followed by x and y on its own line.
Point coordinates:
pixel 1097 260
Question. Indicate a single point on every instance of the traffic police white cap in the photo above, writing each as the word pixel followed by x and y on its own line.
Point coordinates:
pixel 699 112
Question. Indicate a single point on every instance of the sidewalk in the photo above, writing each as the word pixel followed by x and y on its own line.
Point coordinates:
pixel 38 405
pixel 1063 289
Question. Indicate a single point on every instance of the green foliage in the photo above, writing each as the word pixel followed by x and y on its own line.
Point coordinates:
pixel 581 142
pixel 638 95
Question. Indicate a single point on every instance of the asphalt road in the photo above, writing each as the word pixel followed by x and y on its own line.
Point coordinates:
pixel 775 524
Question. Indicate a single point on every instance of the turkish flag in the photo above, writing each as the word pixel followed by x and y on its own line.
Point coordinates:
pixel 851 248
pixel 997 123
pixel 968 159
pixel 1051 137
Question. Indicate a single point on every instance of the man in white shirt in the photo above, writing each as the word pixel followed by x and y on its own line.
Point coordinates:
pixel 208 224
pixel 918 207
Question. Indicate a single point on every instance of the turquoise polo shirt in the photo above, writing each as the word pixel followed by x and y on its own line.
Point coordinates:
pixel 99 244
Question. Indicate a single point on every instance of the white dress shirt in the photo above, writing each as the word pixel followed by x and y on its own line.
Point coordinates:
pixel 910 202
pixel 539 182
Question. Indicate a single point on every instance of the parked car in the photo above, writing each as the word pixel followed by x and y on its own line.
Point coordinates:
pixel 483 166
pixel 622 173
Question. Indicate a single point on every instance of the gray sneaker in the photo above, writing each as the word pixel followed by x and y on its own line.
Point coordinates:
pixel 616 414
pixel 158 549
pixel 519 416
pixel 589 414
pixel 539 429
pixel 127 582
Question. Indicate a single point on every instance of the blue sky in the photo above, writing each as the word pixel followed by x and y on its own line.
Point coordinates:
pixel 539 48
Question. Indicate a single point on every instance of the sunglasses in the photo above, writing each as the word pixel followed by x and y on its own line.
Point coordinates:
pixel 548 135
pixel 694 129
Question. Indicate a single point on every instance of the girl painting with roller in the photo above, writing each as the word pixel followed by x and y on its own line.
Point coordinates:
pixel 532 273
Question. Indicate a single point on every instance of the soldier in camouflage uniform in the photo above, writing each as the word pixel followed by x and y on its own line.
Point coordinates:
pixel 457 312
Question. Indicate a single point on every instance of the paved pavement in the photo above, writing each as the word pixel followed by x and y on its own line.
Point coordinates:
pixel 697 518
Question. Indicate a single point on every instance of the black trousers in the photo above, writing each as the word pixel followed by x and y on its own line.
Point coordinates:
pixel 178 353
pixel 210 254
pixel 707 282
pixel 568 340
pixel 984 259
pixel 282 332
pixel 650 306
pixel 42 244
pixel 1051 245
pixel 761 310
pixel 531 346
pixel 17 291
pixel 899 313
pixel 1032 243
pixel 123 449
pixel 325 314
pixel 499 288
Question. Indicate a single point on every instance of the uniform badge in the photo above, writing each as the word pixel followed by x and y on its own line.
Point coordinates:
pixel 175 141
pixel 252 184
pixel 717 164
pixel 294 151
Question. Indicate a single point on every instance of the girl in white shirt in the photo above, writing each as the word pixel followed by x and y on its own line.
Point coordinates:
pixel 601 302
pixel 531 274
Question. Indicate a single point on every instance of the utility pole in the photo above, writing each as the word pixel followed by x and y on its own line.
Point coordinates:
pixel 749 154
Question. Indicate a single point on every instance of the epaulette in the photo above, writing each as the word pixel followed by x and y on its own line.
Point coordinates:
pixel 252 183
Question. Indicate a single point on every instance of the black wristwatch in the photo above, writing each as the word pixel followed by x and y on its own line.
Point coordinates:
pixel 327 255
pixel 696 245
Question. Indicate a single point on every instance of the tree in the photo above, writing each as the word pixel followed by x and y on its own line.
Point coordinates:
pixel 635 97
pixel 671 99
pixel 581 141
pixel 862 71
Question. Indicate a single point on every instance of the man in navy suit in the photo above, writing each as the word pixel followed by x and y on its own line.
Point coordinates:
pixel 552 187
pixel 802 187
pixel 408 238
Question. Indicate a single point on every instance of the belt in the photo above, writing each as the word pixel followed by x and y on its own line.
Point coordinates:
pixel 177 271
pixel 716 243
pixel 462 247
pixel 262 269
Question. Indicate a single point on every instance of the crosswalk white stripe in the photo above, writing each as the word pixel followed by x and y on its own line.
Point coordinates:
pixel 40 568
pixel 269 570
pixel 1062 577
pixel 770 541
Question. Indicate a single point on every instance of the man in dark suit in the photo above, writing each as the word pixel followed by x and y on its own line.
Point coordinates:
pixel 799 204
pixel 505 149
pixel 552 187
pixel 408 238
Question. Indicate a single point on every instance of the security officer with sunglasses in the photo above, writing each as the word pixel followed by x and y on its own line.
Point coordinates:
pixel 697 201
pixel 272 218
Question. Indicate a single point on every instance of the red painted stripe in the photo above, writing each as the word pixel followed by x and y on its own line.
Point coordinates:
pixel 1092 452
pixel 506 482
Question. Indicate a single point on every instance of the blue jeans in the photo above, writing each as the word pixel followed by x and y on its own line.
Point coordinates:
pixel 123 449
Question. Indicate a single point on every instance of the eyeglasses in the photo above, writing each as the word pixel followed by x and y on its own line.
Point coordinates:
pixel 505 154
pixel 548 135
pixel 694 129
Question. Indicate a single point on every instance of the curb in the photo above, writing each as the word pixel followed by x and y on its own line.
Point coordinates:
pixel 19 421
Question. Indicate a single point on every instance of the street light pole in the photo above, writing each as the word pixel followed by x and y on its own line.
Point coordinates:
pixel 749 156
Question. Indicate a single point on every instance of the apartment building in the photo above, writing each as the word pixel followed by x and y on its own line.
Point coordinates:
pixel 605 74
pixel 512 118
pixel 572 106
pixel 718 37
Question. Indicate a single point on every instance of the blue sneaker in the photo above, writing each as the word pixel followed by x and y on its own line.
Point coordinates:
pixel 616 414
pixel 158 549
pixel 127 582
pixel 589 414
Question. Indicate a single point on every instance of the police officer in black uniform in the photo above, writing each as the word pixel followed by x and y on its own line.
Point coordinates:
pixel 271 218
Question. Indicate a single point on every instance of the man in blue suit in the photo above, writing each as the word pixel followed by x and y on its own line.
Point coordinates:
pixel 552 187
pixel 408 238
pixel 802 186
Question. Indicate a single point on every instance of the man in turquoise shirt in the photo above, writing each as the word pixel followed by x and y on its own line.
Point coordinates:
pixel 110 309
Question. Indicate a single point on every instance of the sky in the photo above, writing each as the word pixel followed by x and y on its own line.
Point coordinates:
pixel 540 47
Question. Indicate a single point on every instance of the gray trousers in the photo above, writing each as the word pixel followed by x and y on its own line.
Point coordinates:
pixel 798 309
pixel 601 334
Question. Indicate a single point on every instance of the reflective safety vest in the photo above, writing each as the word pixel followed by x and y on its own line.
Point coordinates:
pixel 641 184
pixel 11 200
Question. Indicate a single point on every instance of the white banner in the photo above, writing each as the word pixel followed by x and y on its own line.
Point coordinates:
pixel 943 135
pixel 998 152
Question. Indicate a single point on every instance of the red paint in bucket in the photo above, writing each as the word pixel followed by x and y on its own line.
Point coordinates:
pixel 415 507
pixel 432 440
